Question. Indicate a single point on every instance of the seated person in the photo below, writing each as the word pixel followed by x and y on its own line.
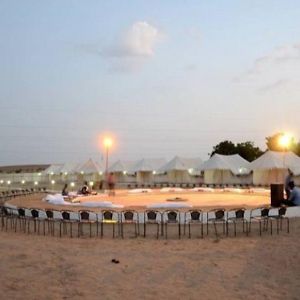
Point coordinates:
pixel 85 189
pixel 294 198
pixel 65 191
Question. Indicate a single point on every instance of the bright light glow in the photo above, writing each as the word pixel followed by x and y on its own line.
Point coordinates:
pixel 39 174
pixel 36 183
pixel 100 173
pixel 191 170
pixel 23 181
pixel 8 182
pixel 285 140
pixel 107 142
pixel 154 172
pixel 51 173
pixel 1 181
pixel 91 183
pixel 81 172
pixel 124 172
pixel 66 173
pixel 72 184
pixel 52 181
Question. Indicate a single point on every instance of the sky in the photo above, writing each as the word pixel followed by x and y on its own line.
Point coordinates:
pixel 163 78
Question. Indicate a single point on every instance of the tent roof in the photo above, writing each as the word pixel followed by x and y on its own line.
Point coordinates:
pixel 235 163
pixel 277 160
pixel 148 165
pixel 181 164
pixel 89 167
pixel 53 169
pixel 121 166
pixel 70 167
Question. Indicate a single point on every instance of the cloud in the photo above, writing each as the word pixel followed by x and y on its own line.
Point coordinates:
pixel 276 70
pixel 130 50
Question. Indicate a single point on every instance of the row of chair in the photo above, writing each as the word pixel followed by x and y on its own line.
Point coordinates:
pixel 8 194
pixel 162 220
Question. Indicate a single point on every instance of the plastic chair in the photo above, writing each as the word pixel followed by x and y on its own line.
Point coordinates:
pixel 172 217
pixel 217 218
pixel 239 217
pixel 152 217
pixel 193 217
pixel 130 217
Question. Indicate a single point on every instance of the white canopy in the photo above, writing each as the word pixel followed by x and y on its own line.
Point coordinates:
pixel 54 169
pixel 148 165
pixel 277 160
pixel 181 164
pixel 235 163
pixel 89 167
pixel 121 166
pixel 69 168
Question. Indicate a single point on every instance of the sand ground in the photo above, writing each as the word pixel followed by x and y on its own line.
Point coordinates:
pixel 37 267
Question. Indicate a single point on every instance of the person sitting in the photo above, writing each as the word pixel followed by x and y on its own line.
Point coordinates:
pixel 294 198
pixel 85 189
pixel 65 191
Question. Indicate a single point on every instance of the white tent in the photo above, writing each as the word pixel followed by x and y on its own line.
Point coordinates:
pixel 89 167
pixel 226 169
pixel 181 170
pixel 272 167
pixel 145 169
pixel 122 171
pixel 69 168
pixel 54 169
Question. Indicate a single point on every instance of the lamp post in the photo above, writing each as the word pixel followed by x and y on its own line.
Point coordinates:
pixel 107 142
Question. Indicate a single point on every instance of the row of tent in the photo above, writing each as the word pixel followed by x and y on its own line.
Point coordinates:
pixel 271 167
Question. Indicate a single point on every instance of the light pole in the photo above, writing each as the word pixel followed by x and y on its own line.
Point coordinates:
pixel 107 142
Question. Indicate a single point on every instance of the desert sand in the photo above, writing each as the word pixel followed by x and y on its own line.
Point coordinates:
pixel 45 267
pixel 38 267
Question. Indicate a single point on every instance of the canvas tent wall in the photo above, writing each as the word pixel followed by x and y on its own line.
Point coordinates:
pixel 89 171
pixel 122 172
pixel 226 169
pixel 180 170
pixel 145 170
pixel 272 167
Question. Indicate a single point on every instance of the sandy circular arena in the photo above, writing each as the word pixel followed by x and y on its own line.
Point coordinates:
pixel 139 201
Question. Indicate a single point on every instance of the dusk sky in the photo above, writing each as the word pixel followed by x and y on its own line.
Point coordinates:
pixel 164 77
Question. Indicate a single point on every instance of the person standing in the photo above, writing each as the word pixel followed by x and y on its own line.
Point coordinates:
pixel 288 179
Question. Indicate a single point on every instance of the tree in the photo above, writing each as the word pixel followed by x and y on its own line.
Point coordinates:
pixel 225 148
pixel 247 150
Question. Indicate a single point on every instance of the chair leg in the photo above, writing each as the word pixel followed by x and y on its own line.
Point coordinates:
pixel 166 229
pixel 288 225
pixel 144 229
pixel 215 226
pixel 234 224
pixel 202 230
pixel 260 227
pixel 158 230
pixel 189 230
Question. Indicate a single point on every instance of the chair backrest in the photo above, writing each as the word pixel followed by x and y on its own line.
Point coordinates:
pixel 172 216
pixel 65 215
pixel 219 214
pixel 84 215
pixel 264 212
pixel 128 215
pixel 195 215
pixel 107 215
pixel 282 211
pixel 151 215
pixel 240 213
pixel 21 212
pixel 34 213
pixel 49 214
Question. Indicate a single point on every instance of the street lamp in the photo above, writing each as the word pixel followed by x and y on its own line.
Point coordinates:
pixel 285 141
pixel 107 142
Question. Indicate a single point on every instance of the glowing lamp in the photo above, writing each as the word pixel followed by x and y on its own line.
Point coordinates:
pixel 124 172
pixel 285 140
pixel 72 184
pixel 39 174
pixel 154 172
pixel 100 173
pixel 107 142
pixel 91 183
pixel 52 181
pixel 36 183
pixel 66 173
pixel 1 181
pixel 191 170
pixel 8 182
pixel 81 172
pixel 23 181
